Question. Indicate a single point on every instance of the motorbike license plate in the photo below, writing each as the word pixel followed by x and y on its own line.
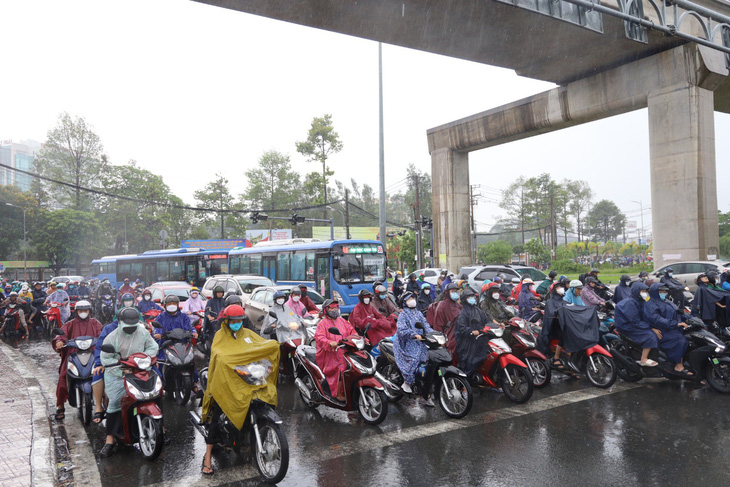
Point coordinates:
pixel 715 361
pixel 440 373
pixel 134 412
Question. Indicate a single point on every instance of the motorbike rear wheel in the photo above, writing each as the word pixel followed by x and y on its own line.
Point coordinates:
pixel 392 373
pixel 604 374
pixel 151 445
pixel 461 397
pixel 520 390
pixel 714 375
pixel 273 462
pixel 182 388
pixel 540 370
pixel 86 409
pixel 372 405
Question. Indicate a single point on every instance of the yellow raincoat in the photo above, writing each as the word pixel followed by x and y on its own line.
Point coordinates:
pixel 225 387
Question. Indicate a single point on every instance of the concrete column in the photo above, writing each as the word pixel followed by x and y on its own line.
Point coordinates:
pixel 683 188
pixel 450 202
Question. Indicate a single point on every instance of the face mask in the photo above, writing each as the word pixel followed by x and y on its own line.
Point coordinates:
pixel 495 295
pixel 644 296
pixel 454 296
pixel 147 297
pixel 128 303
pixel 296 298
pixel 560 291
pixel 171 308
pixel 83 315
pixel 670 274
pixel 427 291
pixel 663 296
pixel 235 326
pixel 366 300
pixel 411 303
pixel 471 300
pixel 280 301
pixel 382 296
pixel 129 329
pixel 333 313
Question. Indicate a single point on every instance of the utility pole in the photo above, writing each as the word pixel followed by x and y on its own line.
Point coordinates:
pixel 553 228
pixel 347 214
pixel 473 226
pixel 417 220
pixel 382 217
pixel 522 214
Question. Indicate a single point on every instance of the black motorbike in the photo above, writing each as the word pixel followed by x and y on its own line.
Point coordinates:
pixel 178 370
pixel 78 374
pixel 437 375
pixel 707 358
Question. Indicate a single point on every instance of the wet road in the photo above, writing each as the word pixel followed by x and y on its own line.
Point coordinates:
pixel 650 433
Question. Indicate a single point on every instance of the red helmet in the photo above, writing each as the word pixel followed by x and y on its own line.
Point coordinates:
pixel 492 284
pixel 234 312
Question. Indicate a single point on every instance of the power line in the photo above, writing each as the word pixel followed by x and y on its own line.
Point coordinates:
pixel 400 225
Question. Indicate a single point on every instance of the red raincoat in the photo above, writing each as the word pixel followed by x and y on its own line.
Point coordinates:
pixel 72 329
pixel 447 311
pixel 380 326
pixel 332 362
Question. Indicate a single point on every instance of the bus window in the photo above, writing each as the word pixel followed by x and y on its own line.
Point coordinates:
pixel 217 266
pixel 125 269
pixel 322 266
pixel 162 270
pixel 310 266
pixel 235 265
pixel 177 270
pixel 298 267
pixel 282 266
pixel 347 268
pixel 136 270
pixel 95 269
pixel 190 274
pixel 254 266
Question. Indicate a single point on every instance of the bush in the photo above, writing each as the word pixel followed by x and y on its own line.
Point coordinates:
pixel 567 266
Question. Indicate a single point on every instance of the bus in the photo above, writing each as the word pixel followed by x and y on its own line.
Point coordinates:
pixel 337 269
pixel 192 265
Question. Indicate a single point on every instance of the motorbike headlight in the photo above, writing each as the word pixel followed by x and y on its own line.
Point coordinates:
pixel 528 342
pixel 720 347
pixel 440 338
pixel 521 324
pixel 72 368
pixel 143 363
pixel 359 343
pixel 498 332
pixel 365 365
pixel 138 395
pixel 255 373
pixel 83 344
pixel 158 386
pixel 170 356
pixel 499 345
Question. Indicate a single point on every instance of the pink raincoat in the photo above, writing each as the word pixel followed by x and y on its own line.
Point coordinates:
pixel 332 362
pixel 298 307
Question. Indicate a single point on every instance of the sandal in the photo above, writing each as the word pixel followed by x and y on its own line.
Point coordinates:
pixel 60 414
pixel 685 372
pixel 204 467
pixel 107 450
pixel 558 364
pixel 98 416
pixel 649 363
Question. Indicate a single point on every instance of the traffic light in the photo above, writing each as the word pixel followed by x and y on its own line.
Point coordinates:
pixel 254 217
pixel 295 220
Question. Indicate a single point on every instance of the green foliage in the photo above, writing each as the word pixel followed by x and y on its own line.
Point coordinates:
pixel 497 252
pixel 403 250
pixel 11 219
pixel 216 195
pixel 725 246
pixel 537 251
pixel 606 221
pixel 321 142
pixel 518 249
pixel 273 184
pixel 563 252
pixel 567 266
pixel 580 198
pixel 724 221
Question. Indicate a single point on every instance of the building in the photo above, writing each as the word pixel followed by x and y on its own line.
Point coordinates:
pixel 19 155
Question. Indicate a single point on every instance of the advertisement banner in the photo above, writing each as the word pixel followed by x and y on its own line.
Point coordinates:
pixel 225 244
pixel 256 236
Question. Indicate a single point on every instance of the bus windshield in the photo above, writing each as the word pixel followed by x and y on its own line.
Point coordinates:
pixel 358 263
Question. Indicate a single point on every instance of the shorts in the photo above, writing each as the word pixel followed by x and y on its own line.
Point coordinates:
pixel 97 377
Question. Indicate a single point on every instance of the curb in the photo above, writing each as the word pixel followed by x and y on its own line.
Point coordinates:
pixel 42 453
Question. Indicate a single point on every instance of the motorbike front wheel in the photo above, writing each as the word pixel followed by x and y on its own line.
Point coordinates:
pixel 181 393
pixel 517 384
pixel 272 460
pixel 540 370
pixel 150 438
pixel 392 374
pixel 455 397
pixel 86 409
pixel 718 376
pixel 601 370
pixel 372 406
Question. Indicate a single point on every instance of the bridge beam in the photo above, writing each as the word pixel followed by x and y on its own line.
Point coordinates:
pixel 677 86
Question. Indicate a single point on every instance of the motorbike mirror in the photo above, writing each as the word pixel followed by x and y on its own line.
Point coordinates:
pixel 334 330
pixel 57 331
pixel 419 325
pixel 202 348
pixel 108 348
pixel 272 314
pixel 157 300
pixel 261 318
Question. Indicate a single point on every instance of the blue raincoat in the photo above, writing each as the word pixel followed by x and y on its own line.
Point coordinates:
pixel 663 316
pixel 145 306
pixel 571 298
pixel 170 322
pixel 408 351
pixel 630 320
pixel 622 291
pixel 527 301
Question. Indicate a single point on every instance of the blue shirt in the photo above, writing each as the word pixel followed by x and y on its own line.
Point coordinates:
pixel 100 341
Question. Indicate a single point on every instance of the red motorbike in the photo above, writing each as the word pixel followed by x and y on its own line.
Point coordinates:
pixel 53 316
pixel 362 389
pixel 141 412
pixel 11 322
pixel 197 318
pixel 522 339
pixel 150 316
pixel 502 369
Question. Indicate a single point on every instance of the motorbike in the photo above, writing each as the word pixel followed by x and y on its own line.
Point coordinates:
pixel 502 369
pixel 310 323
pixel 197 318
pixel 150 316
pixel 363 391
pixel 707 357
pixel 438 375
pixel 141 412
pixel 11 323
pixel 595 362
pixel 107 308
pixel 261 429
pixel 78 375
pixel 179 368
pixel 523 341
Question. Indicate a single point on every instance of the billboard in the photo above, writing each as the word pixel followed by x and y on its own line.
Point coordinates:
pixel 356 233
pixel 255 236
pixel 224 244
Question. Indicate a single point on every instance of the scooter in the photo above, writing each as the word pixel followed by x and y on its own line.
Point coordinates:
pixel 595 362
pixel 78 375
pixel 523 341
pixel 53 315
pixel 107 308
pixel 141 412
pixel 179 367
pixel 707 357
pixel 362 389
pixel 197 318
pixel 261 429
pixel 447 382
pixel 502 369
pixel 11 323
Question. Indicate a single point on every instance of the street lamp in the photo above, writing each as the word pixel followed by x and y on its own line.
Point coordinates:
pixel 25 243
pixel 343 218
pixel 641 207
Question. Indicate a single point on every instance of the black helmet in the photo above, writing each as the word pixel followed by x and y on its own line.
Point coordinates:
pixel 668 269
pixel 591 279
pixel 643 274
pixel 625 277
pixel 553 274
pixel 376 284
pixel 232 299
pixel 171 298
pixel 129 316
pixel 363 293
pixel 467 292
pixel 452 287
pixel 328 302
pixel 594 271
pixel 218 289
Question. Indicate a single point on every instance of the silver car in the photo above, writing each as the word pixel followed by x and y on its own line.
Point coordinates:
pixel 687 272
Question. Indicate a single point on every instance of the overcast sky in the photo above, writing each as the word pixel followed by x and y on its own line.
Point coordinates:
pixel 188 90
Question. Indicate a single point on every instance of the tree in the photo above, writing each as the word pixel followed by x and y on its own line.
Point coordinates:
pixel 273 184
pixel 606 221
pixel 71 153
pixel 580 199
pixel 61 234
pixel 216 196
pixel 514 202
pixel 537 251
pixel 725 246
pixel 497 252
pixel 11 219
pixel 321 142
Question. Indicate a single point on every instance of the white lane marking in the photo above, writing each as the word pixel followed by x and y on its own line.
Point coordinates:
pixel 394 438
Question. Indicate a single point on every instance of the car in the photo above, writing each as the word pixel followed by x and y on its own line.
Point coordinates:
pixel 243 285
pixel 686 272
pixel 481 274
pixel 430 274
pixel 160 290
pixel 66 279
pixel 262 299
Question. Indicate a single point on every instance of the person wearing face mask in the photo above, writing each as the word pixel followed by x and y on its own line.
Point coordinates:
pixel 81 325
pixel 365 314
pixel 676 288
pixel 712 277
pixel 572 295
pixel 213 308
pixel 471 350
pixel 171 319
pixel 544 286
pixel 59 296
pixel 329 358
pixel 126 301
pixel 284 317
pixel 83 291
pixel 425 298
pixel 307 301
pixel 295 302
pixel 527 301
pixel 493 305
pixel 407 347
pixel 146 304
pixel 383 303
pixel 663 316
pixel 193 303
pixel 446 313
pixel 128 338
pixel 126 288
pixel 551 327
pixel 413 286
pixel 589 296
pixel 623 290
pixel 630 322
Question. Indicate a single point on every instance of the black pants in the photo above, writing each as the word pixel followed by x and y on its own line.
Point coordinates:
pixel 114 426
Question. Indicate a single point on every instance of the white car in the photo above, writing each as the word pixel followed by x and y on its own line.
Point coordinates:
pixel 243 285
pixel 430 274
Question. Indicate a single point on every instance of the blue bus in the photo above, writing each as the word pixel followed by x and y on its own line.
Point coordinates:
pixel 192 265
pixel 337 269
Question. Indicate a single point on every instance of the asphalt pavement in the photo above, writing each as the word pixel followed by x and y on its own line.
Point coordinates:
pixel 656 432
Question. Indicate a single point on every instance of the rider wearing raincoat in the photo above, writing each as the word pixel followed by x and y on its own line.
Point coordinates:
pixel 407 347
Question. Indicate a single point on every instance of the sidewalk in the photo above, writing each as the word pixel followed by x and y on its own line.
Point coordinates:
pixel 16 430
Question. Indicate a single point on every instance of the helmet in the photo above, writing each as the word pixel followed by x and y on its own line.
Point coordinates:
pixel 576 283
pixel 13 294
pixel 425 285
pixel 126 279
pixel 24 287
pixel 467 292
pixel 515 280
pixel 668 269
pixel 591 279
pixel 380 289
pixel 279 294
pixel 485 286
pixel 408 296
pixel 625 277
pixel 452 287
pixel 37 283
pixel 130 316
pixel 171 298
pixel 527 280
pixel 295 290
pixel 83 304
pixel 329 303
pixel 493 285
pixel 218 289
pixel 60 285
pixel 376 284
pixel 363 293
pixel 553 274
pixel 594 271
pixel 399 273
pixel 564 281
pixel 643 274
pixel 146 291
pixel 129 297
pixel 194 290
pixel 497 279
pixel 232 299
pixel 234 312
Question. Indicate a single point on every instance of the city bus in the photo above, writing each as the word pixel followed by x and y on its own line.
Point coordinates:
pixel 192 265
pixel 337 269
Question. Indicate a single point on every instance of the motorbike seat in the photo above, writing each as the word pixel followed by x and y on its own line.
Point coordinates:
pixel 628 341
